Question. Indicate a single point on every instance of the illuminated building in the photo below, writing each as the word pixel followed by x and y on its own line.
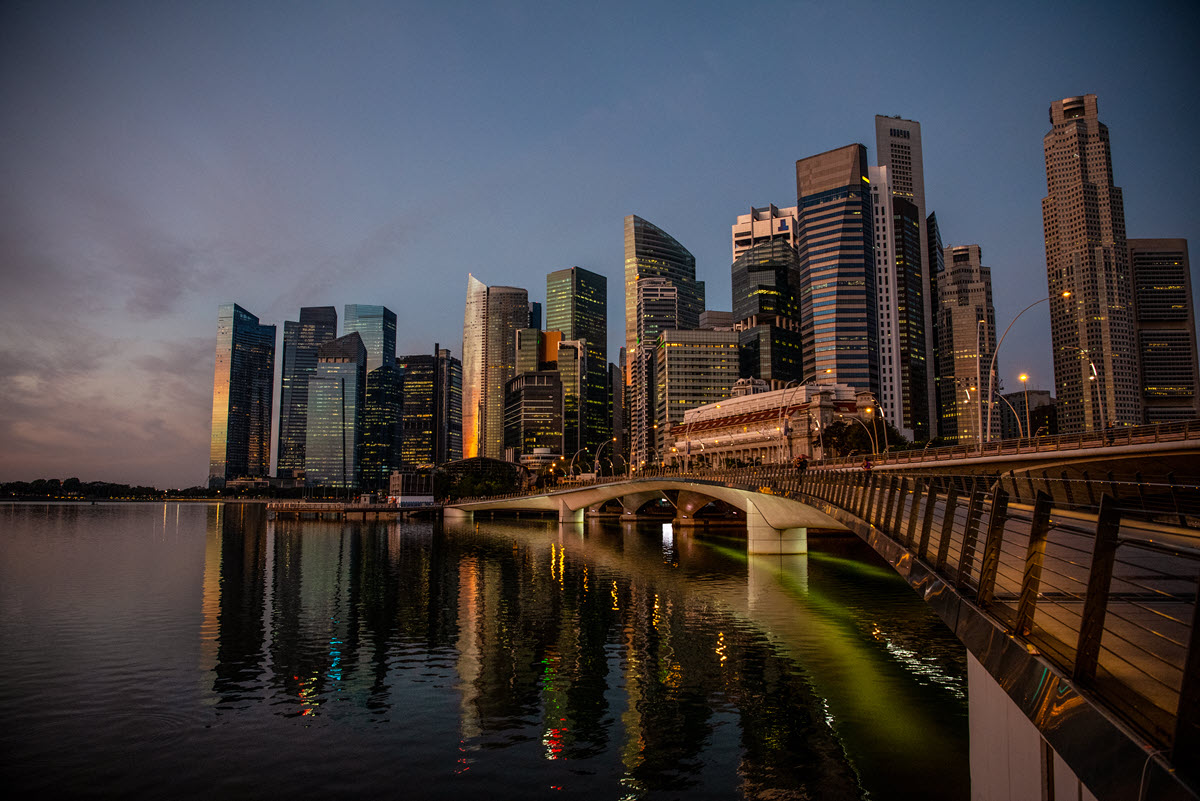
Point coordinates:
pixel 766 305
pixel 837 267
pixel 336 396
pixel 965 346
pixel 1166 329
pixel 1092 331
pixel 243 391
pixel 301 339
pixel 491 320
pixel 577 305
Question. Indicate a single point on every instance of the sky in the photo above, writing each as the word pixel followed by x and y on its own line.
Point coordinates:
pixel 160 158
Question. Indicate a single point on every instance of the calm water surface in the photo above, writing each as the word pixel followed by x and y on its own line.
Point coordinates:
pixel 201 651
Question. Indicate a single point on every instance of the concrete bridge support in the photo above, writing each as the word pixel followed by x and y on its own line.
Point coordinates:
pixel 568 515
pixel 762 537
pixel 454 513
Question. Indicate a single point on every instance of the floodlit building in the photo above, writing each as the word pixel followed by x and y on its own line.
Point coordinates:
pixel 491 320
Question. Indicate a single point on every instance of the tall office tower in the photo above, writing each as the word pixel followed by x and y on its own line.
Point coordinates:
pixel 577 305
pixel 651 252
pixel 616 400
pixel 381 426
pixel 533 414
pixel 768 224
pixel 490 323
pixel 536 350
pixel 535 315
pixel 694 368
pixel 837 260
pixel 418 389
pixel 448 444
pixel 243 384
pixel 766 304
pixel 571 363
pixel 902 289
pixel 1166 329
pixel 937 268
pixel 377 327
pixel 657 310
pixel 317 325
pixel 906 257
pixel 1083 214
pixel 966 344
pixel 336 395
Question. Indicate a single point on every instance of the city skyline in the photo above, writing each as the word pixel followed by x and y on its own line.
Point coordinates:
pixel 162 161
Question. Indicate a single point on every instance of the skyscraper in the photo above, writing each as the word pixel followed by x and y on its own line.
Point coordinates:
pixel 577 305
pixel 966 344
pixel 693 368
pixel 336 396
pixel 1166 329
pixel 766 303
pixel 902 289
pixel 418 389
pixel 658 310
pixel 448 430
pixel 1092 331
pixel 765 224
pixel 243 391
pixel 937 268
pixel 651 252
pixel 381 412
pixel 907 363
pixel 837 261
pixel 301 339
pixel 491 320
pixel 533 415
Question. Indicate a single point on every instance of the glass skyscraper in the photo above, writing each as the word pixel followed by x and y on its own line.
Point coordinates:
pixel 766 302
pixel 243 392
pixel 419 416
pixel 336 396
pixel 448 431
pixel 381 412
pixel 577 305
pixel 837 258
pixel 301 339
pixel 492 317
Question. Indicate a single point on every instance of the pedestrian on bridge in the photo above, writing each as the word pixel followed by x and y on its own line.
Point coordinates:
pixel 866 465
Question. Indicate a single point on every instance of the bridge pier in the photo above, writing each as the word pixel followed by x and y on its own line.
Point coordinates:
pixel 454 513
pixel 762 537
pixel 568 515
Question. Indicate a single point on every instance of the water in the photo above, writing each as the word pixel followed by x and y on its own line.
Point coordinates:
pixel 201 651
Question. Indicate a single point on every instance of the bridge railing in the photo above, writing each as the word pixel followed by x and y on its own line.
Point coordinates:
pixel 1100 577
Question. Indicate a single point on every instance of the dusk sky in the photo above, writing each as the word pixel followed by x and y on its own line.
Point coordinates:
pixel 160 158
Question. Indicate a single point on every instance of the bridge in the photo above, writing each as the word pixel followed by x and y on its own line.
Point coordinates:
pixel 1075 593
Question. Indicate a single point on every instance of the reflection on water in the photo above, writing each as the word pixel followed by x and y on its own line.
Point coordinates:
pixel 508 659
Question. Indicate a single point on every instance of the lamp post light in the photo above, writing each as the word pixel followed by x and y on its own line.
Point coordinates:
pixel 1024 379
pixel 870 436
pixel 1095 377
pixel 992 367
pixel 596 461
pixel 787 403
pixel 571 468
pixel 1013 409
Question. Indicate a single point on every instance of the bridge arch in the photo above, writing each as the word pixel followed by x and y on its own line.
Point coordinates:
pixel 774 524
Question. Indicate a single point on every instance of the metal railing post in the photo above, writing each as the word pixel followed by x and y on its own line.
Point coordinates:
pixel 1031 580
pixel 927 521
pixel 889 502
pixel 990 564
pixel 1095 603
pixel 947 529
pixel 970 533
pixel 911 535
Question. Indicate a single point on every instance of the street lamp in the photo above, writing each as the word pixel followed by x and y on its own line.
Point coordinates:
pixel 992 367
pixel 1024 379
pixel 787 402
pixel 571 468
pixel 870 436
pixel 1099 392
pixel 596 462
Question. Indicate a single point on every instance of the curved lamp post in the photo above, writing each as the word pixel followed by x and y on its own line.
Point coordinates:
pixel 787 401
pixel 571 468
pixel 1013 409
pixel 1024 379
pixel 992 366
pixel 596 461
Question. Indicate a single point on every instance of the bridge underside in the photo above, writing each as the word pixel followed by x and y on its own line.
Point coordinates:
pixel 774 524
